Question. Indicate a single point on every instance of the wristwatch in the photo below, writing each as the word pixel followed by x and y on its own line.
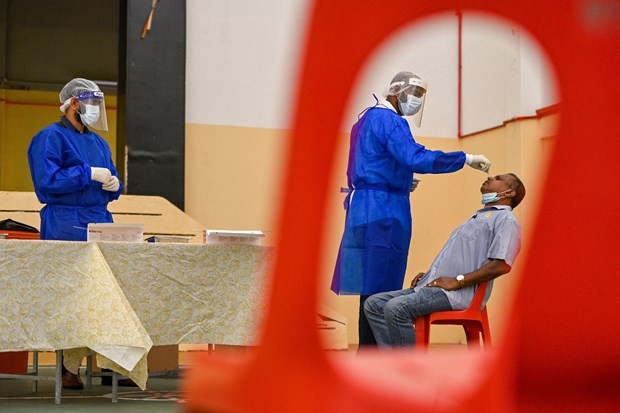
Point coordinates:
pixel 461 280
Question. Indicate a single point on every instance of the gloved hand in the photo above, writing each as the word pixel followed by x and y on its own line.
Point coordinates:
pixel 479 162
pixel 112 185
pixel 414 184
pixel 100 174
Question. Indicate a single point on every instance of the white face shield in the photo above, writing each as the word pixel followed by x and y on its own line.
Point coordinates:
pixel 92 110
pixel 411 99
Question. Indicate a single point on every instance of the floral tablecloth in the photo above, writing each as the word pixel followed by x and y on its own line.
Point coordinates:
pixel 117 299
pixel 193 293
pixel 62 295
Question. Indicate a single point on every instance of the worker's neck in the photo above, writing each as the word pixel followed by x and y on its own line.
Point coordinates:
pixel 76 123
pixel 394 101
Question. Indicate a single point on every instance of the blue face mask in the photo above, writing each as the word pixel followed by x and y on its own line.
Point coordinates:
pixel 491 197
pixel 411 106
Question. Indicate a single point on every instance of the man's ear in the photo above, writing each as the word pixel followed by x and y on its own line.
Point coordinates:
pixel 75 104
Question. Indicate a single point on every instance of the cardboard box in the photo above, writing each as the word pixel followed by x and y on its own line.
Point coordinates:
pixel 163 358
pixel 14 362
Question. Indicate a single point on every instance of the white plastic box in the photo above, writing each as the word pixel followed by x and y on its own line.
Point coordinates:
pixel 115 232
pixel 218 236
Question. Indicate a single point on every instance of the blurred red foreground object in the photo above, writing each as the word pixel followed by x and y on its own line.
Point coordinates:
pixel 561 352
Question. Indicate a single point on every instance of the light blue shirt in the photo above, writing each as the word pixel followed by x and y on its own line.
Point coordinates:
pixel 491 233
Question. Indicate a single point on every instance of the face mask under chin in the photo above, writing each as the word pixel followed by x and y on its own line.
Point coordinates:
pixel 492 197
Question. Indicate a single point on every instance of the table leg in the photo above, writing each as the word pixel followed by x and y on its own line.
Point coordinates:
pixel 58 390
pixel 35 368
pixel 89 372
pixel 114 387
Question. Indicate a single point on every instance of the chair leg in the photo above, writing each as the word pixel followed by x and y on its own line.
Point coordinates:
pixel 486 339
pixel 422 332
pixel 472 333
pixel 485 329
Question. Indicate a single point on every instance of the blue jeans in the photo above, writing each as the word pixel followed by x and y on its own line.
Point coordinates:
pixel 391 314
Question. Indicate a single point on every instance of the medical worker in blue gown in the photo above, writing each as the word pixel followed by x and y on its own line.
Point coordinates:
pixel 71 165
pixel 73 172
pixel 383 157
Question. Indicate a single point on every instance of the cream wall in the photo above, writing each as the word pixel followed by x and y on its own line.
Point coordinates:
pixel 232 176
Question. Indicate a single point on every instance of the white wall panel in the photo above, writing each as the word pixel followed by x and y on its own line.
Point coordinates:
pixel 538 82
pixel 242 59
pixel 490 73
pixel 428 48
pixel 505 73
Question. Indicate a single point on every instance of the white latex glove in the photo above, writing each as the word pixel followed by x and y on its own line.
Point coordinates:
pixel 414 184
pixel 100 174
pixel 479 162
pixel 112 185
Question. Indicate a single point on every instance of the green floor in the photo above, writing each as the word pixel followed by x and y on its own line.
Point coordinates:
pixel 162 395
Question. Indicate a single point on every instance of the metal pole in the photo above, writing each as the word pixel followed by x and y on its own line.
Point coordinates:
pixel 58 391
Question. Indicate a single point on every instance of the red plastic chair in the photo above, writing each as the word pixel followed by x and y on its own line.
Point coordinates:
pixel 474 320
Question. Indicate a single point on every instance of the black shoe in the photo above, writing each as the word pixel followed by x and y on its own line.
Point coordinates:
pixel 107 381
pixel 72 381
pixel 127 383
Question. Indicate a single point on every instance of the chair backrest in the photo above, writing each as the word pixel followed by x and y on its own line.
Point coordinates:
pixel 476 303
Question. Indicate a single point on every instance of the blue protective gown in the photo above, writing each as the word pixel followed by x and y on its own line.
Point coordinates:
pixel 383 156
pixel 60 159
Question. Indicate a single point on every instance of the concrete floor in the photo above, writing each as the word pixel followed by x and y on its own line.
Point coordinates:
pixel 162 396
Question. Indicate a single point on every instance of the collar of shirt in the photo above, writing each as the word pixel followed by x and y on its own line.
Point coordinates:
pixel 67 124
pixel 385 103
pixel 496 207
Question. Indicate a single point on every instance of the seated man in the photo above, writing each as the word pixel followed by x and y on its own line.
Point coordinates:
pixel 481 249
